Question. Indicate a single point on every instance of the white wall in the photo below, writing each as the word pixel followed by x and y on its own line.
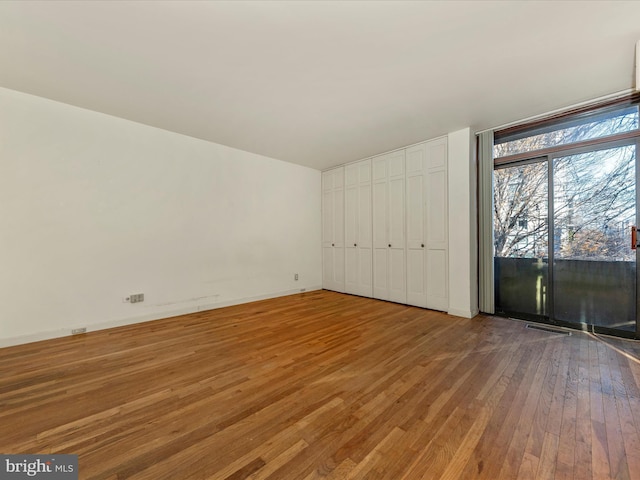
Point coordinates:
pixel 463 238
pixel 94 208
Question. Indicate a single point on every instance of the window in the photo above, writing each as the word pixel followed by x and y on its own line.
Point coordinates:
pixel 599 125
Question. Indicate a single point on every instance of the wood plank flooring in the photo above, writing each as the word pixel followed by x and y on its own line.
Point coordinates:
pixel 331 386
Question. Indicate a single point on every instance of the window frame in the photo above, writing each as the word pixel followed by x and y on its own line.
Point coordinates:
pixel 566 119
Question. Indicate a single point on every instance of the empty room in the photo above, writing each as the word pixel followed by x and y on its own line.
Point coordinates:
pixel 296 240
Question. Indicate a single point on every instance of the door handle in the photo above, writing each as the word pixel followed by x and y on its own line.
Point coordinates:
pixel 355 245
pixel 389 245
pixel 422 245
pixel 634 237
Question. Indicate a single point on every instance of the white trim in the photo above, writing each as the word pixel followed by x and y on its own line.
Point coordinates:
pixel 463 313
pixel 593 101
pixel 65 332
pixel 638 66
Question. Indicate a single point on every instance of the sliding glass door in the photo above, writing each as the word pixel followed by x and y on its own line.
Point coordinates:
pixel 563 250
pixel 594 262
pixel 521 239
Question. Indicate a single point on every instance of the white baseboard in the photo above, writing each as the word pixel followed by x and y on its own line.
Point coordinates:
pixel 65 332
pixel 463 313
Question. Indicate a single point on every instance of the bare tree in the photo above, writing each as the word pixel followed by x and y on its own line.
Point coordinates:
pixel 594 204
pixel 520 223
pixel 594 196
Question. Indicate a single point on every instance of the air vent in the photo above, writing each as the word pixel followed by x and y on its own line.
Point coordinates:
pixel 548 329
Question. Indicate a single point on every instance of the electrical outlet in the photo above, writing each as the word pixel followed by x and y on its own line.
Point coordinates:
pixel 134 298
pixel 303 289
pixel 77 331
pixel 295 277
pixel 137 297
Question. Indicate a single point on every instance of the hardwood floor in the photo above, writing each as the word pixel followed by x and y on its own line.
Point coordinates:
pixel 324 385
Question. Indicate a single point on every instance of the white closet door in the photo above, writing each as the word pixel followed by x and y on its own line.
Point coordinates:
pixel 379 181
pixel 364 249
pixel 351 184
pixel 416 224
pixel 437 226
pixel 396 236
pixel 389 256
pixel 358 253
pixel 333 229
pixel 338 249
pixel 327 230
pixel 385 227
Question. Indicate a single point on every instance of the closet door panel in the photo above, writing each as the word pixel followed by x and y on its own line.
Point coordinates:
pixel 437 226
pixel 380 274
pixel 379 215
pixel 365 262
pixel 365 217
pixel 327 231
pixel 379 169
pixel 396 221
pixel 416 220
pixel 379 231
pixel 338 269
pixel 397 275
pixel 351 216
pixel 338 218
pixel 338 226
pixel 395 164
pixel 327 217
pixel 415 211
pixel 437 215
pixel 437 154
pixel 358 225
pixel 416 223
pixel 351 175
pixel 389 265
pixel 396 200
pixel 327 268
pixel 365 251
pixel 333 229
pixel 396 236
pixel 416 277
pixel 437 280
pixel 351 231
pixel 351 270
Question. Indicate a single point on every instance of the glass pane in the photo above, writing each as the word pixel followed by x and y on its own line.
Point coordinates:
pixel 521 228
pixel 594 265
pixel 601 125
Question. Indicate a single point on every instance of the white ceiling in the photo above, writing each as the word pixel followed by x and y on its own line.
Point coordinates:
pixel 318 83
